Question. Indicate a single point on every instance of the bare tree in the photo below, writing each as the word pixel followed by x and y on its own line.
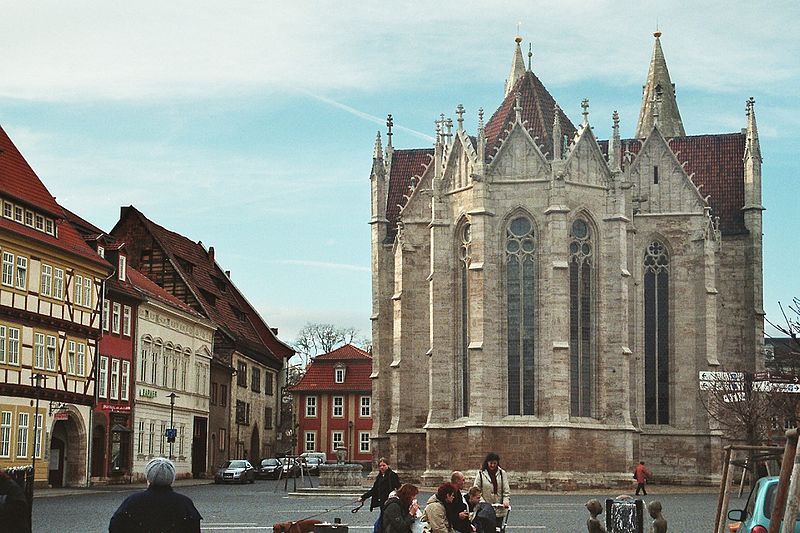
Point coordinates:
pixel 316 338
pixel 741 410
pixel 785 364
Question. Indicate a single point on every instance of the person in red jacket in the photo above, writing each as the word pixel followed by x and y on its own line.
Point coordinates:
pixel 641 474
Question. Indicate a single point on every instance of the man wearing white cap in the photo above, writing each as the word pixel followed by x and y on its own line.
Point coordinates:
pixel 159 508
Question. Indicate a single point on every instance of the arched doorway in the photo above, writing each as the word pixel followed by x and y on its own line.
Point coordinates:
pixel 255 445
pixel 68 447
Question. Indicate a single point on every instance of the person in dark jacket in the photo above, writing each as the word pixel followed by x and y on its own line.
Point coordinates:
pixel 458 511
pixel 385 482
pixel 400 511
pixel 158 509
pixel 13 506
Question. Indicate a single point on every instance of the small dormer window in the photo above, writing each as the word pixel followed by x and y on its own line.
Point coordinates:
pixel 121 273
pixel 101 251
pixel 339 374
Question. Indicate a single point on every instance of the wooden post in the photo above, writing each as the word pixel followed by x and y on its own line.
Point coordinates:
pixel 789 452
pixel 794 488
pixel 722 503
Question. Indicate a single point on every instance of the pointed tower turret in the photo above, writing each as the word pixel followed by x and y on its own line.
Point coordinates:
pixel 658 99
pixel 517 67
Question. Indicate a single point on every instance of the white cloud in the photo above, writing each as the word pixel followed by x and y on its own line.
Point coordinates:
pixel 149 49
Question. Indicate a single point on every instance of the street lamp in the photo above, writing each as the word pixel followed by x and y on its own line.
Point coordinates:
pixel 172 432
pixel 37 378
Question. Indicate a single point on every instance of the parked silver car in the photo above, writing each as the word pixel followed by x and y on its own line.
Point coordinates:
pixel 236 471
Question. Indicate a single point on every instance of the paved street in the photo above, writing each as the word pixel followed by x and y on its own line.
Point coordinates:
pixel 256 507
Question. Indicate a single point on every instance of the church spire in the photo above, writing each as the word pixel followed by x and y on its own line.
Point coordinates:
pixel 517 67
pixel 658 98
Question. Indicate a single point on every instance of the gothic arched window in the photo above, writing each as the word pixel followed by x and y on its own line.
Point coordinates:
pixel 581 318
pixel 520 303
pixel 656 334
pixel 462 357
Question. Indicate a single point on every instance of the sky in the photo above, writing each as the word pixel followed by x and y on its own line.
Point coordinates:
pixel 250 126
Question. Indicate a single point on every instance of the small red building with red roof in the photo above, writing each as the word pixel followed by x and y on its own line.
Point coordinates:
pixel 333 404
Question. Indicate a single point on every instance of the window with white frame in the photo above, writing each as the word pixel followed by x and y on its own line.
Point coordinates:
pixel 223 439
pixel 71 358
pixel 77 290
pixel 337 440
pixel 165 362
pixel 39 224
pixel 28 217
pixel 339 374
pixel 143 357
pixel 38 350
pixel 154 364
pixel 46 286
pixel 115 317
pixel 5 434
pixel 51 352
pixel 114 382
pixel 122 266
pixel 106 312
pixel 311 441
pixel 8 269
pixel 58 283
pixel 150 438
pixel 22 272
pixel 13 346
pixel 102 377
pixel 18 214
pixel 126 320
pixel 125 378
pixel 81 359
pixel 22 434
pixel 101 251
pixel 175 364
pixel 161 439
pixel 366 406
pixel 363 441
pixel 3 345
pixel 8 210
pixel 140 440
pixel 311 406
pixel 338 406
pixel 87 291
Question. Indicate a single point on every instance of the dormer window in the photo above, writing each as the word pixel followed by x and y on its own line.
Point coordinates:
pixel 122 267
pixel 339 373
pixel 101 251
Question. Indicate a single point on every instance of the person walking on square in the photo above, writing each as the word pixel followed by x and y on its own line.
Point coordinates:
pixel 385 482
pixel 493 482
pixel 641 473
pixel 158 509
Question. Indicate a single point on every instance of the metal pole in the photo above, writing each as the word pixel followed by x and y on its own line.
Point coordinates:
pixel 172 397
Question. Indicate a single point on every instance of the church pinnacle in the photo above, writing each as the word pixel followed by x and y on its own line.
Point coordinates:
pixel 517 67
pixel 658 99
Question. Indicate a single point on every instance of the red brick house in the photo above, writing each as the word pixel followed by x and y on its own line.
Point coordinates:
pixel 333 403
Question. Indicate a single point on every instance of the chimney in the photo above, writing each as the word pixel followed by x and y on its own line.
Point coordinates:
pixel 211 253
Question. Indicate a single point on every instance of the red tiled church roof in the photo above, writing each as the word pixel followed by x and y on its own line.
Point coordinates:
pixel 320 374
pixel 537 109
pixel 405 165
pixel 20 184
pixel 716 162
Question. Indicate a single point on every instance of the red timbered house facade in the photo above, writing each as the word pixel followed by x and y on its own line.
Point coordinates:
pixel 333 403
pixel 50 320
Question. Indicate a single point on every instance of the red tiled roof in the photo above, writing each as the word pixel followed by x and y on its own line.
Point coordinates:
pixel 537 110
pixel 251 333
pixel 320 374
pixel 20 184
pixel 405 165
pixel 716 161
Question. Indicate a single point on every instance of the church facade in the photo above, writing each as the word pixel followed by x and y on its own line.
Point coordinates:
pixel 549 296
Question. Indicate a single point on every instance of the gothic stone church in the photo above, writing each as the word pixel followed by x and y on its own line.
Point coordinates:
pixel 552 297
